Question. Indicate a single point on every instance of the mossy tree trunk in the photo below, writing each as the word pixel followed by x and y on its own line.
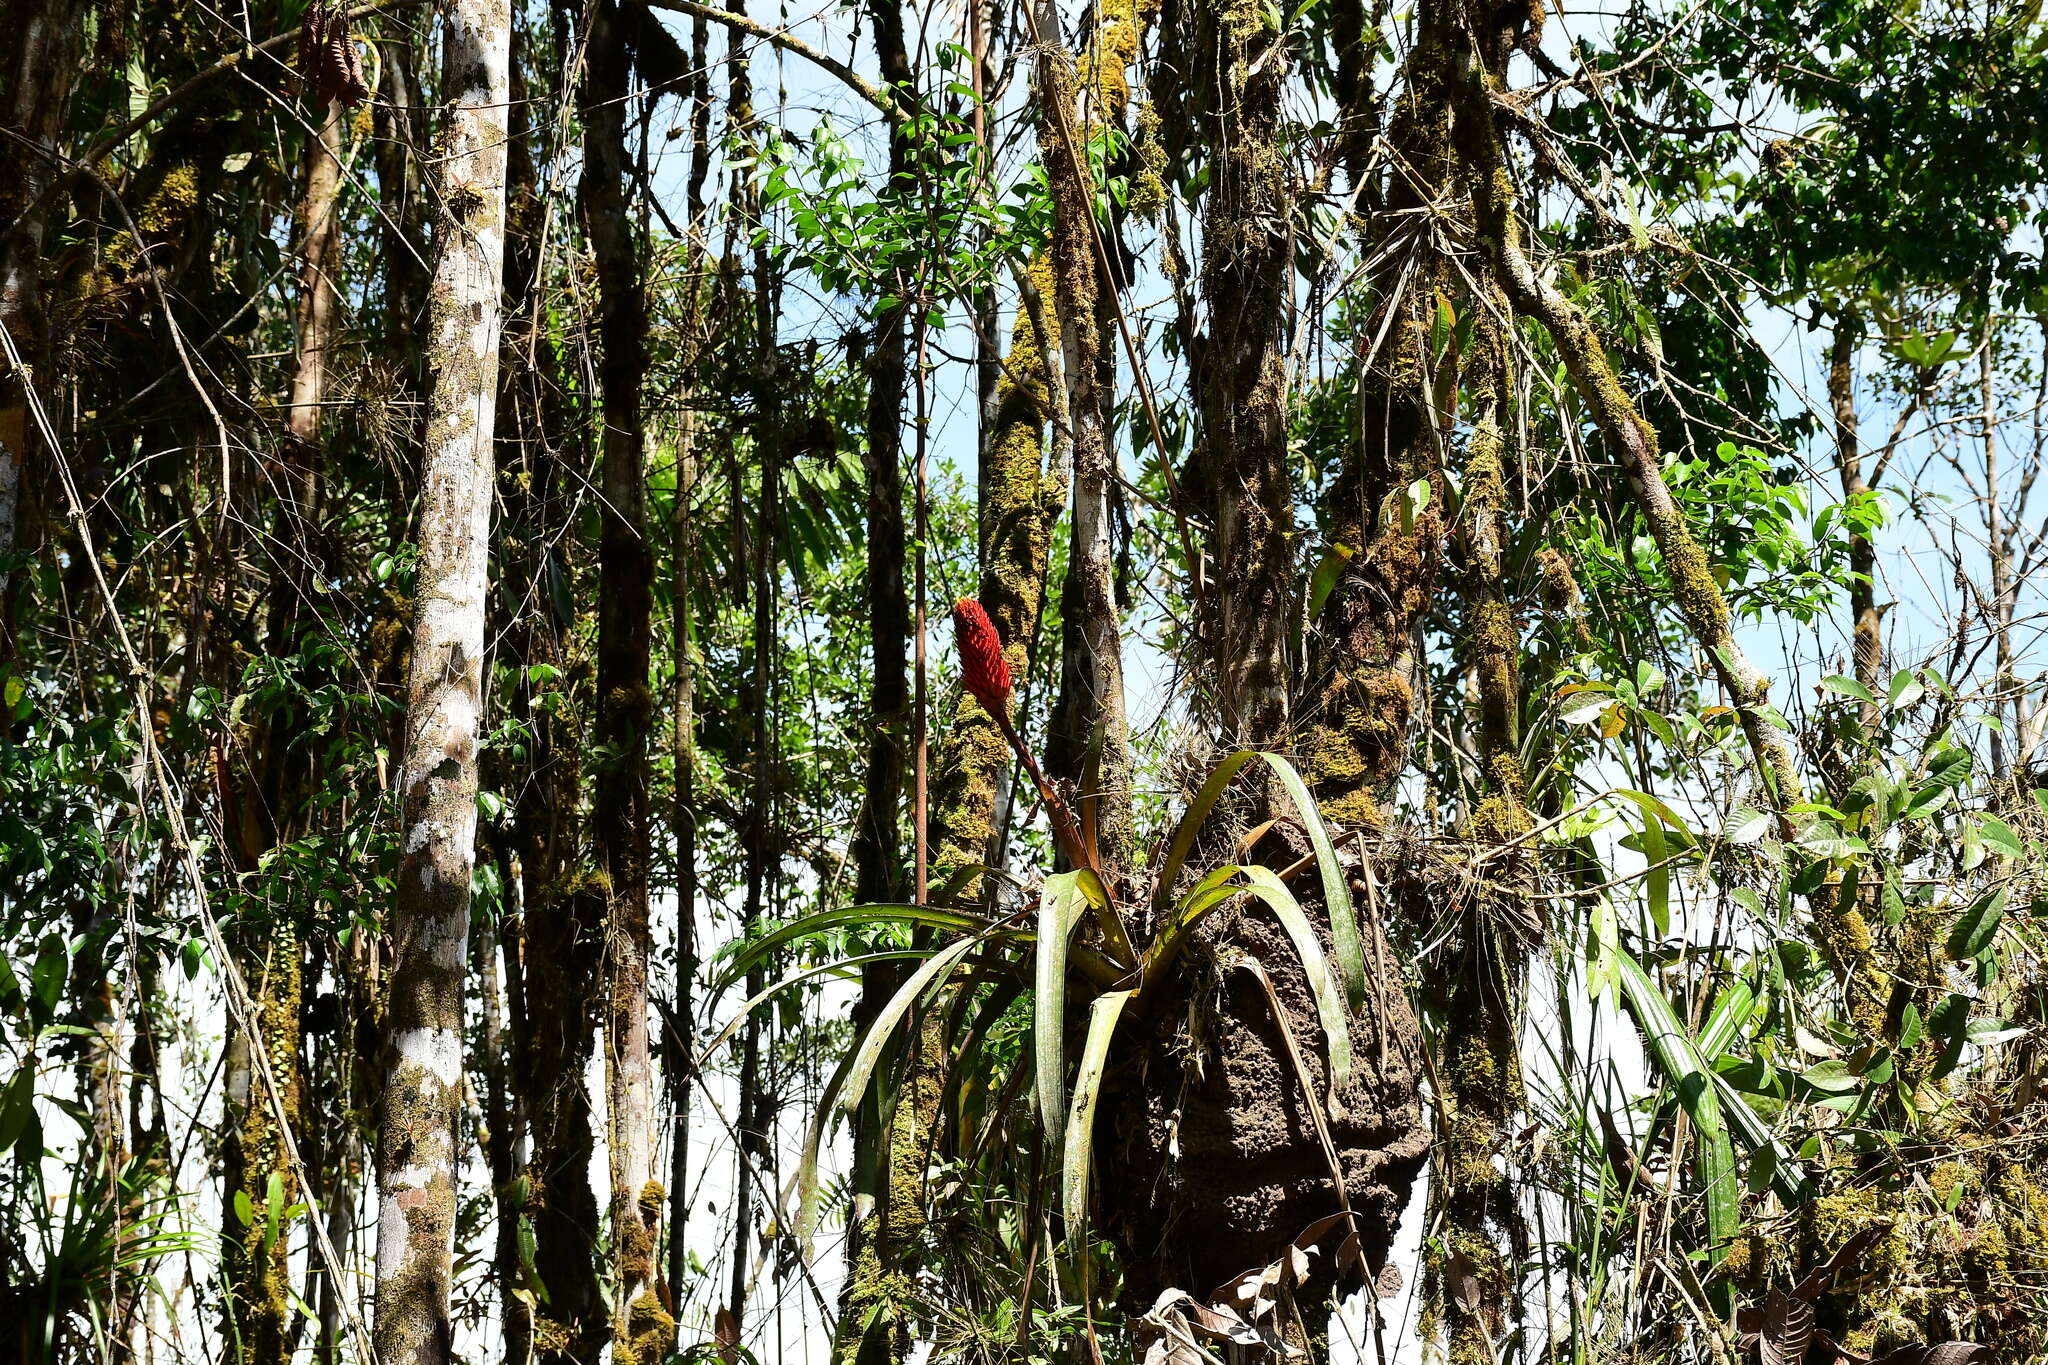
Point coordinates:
pixel 437 778
pixel 872 1326
pixel 1244 619
pixel 619 811
pixel 1095 672
pixel 1383 511
pixel 680 1072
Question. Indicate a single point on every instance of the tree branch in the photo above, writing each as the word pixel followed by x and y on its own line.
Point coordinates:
pixel 891 105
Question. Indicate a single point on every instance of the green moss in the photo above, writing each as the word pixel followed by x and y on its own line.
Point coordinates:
pixel 650 1333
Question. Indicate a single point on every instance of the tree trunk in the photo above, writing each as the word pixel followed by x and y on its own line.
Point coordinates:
pixel 1867 639
pixel 1383 512
pixel 319 258
pixel 1106 768
pixel 558 1314
pixel 1247 614
pixel 34 100
pixel 871 1327
pixel 681 1069
pixel 416 1172
pixel 641 1327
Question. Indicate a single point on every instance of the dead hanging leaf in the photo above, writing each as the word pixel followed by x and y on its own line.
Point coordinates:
pixel 1461 1277
pixel 329 66
pixel 725 1330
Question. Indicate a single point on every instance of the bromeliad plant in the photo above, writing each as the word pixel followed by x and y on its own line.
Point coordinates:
pixel 1070 978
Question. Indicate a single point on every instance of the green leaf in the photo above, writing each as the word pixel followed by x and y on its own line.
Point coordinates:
pixel 1329 1004
pixel 1345 939
pixel 17 1106
pixel 1079 1146
pixel 813 926
pixel 1747 825
pixel 1676 1056
pixel 1848 687
pixel 1977 926
pixel 1904 691
pixel 1060 908
pixel 838 967
pixel 1999 835
pixel 1583 707
pixel 868 1054
pixel 1833 1077
pixel 1725 1020
pixel 1911 1027
pixel 1324 581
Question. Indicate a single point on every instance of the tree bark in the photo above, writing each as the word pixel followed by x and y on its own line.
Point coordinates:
pixel 1246 616
pixel 1106 768
pixel 34 100
pixel 619 834
pixel 416 1172
pixel 1867 639
pixel 680 1072
pixel 871 1324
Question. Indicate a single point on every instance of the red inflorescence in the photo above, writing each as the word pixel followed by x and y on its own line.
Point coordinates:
pixel 982 668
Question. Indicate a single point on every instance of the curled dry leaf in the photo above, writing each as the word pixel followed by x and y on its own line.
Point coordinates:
pixel 1787 1329
pixel 328 63
pixel 1937 1353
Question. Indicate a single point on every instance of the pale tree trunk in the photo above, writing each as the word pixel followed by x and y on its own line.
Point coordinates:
pixel 416 1167
pixel 619 809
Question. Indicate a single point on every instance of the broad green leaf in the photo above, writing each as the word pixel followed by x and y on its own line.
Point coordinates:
pixel 1904 691
pixel 1977 926
pixel 1747 825
pixel 2000 836
pixel 1080 1147
pixel 1831 1076
pixel 1848 687
pixel 1060 908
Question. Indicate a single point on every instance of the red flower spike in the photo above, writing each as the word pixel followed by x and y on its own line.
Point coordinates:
pixel 983 670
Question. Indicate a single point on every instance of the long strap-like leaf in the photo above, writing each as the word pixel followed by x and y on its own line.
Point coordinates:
pixel 1060 908
pixel 1079 1148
